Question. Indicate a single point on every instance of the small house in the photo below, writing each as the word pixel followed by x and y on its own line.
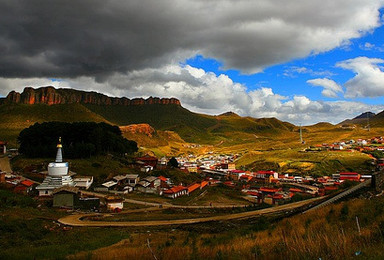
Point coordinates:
pixel 65 197
pixel 83 182
pixel 132 179
pixel 24 187
pixel 120 179
pixel 147 160
pixel 150 184
pixel 114 203
pixel 107 186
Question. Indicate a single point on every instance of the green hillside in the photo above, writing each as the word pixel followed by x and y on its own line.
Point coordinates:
pixel 191 127
pixel 16 117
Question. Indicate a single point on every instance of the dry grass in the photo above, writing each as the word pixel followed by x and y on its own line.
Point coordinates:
pixel 329 233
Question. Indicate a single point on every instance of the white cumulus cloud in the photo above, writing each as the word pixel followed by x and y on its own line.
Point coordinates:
pixel 369 78
pixel 331 88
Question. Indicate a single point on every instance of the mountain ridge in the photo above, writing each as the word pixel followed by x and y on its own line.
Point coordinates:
pixel 51 96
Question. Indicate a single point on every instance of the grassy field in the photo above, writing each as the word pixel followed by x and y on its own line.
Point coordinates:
pixel 312 163
pixel 329 233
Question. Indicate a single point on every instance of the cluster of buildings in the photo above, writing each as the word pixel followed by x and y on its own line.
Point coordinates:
pixel 193 163
pixel 17 183
pixel 359 144
pixel 159 185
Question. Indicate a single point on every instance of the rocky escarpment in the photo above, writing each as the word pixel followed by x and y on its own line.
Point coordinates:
pixel 138 129
pixel 51 96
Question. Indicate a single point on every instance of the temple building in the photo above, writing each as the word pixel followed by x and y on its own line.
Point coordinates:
pixel 58 175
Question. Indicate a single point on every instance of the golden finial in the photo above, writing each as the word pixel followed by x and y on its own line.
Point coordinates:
pixel 59 144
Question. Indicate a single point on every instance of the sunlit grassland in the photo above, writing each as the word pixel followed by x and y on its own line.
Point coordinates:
pixel 314 163
pixel 328 233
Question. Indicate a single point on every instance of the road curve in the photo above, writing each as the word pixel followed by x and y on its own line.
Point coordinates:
pixel 80 221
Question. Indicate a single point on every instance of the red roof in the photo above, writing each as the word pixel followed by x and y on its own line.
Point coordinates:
pixel 203 184
pixel 277 196
pixel 266 172
pixel 348 173
pixel 193 187
pixel 162 178
pixel 237 171
pixel 175 189
pixel 268 189
pixel 229 183
pixel 295 190
pixel 27 183
pixel 146 158
pixel 254 193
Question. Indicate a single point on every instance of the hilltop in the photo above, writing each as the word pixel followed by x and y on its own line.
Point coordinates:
pixel 359 120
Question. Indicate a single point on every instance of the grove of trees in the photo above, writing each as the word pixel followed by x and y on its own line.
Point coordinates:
pixel 79 140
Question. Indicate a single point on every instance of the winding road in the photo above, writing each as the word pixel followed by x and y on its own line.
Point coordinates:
pixel 82 220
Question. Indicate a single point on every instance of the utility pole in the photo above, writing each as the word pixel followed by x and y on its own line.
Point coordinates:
pixel 301 135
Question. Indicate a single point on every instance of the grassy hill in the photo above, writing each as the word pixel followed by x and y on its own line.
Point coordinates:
pixel 191 127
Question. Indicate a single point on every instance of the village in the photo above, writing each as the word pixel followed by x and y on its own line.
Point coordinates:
pixel 67 190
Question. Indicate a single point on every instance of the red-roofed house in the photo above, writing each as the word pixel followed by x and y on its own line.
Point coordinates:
pixel 266 174
pixel 24 187
pixel 176 191
pixel 147 160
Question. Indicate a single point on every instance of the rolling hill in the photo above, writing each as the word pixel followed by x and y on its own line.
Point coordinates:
pixel 20 110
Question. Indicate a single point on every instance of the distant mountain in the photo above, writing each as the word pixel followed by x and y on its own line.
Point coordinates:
pixel 365 115
pixel 19 110
pixel 374 120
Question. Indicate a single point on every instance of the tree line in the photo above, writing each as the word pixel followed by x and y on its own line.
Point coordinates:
pixel 79 140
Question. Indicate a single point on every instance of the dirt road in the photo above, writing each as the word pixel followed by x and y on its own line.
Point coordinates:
pixel 78 219
pixel 5 166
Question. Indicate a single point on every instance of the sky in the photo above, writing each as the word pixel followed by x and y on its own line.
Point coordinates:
pixel 299 61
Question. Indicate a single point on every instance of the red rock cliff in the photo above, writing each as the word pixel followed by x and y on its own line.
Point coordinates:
pixel 50 96
pixel 138 129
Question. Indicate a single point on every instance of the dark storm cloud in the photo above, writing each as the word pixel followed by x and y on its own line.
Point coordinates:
pixel 95 37
pixel 98 37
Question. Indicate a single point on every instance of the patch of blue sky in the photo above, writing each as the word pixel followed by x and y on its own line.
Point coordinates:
pixel 290 78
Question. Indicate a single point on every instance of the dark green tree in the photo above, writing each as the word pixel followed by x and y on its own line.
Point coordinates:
pixel 173 163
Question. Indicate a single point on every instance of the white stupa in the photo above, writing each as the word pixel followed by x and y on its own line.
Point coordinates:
pixel 57 175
